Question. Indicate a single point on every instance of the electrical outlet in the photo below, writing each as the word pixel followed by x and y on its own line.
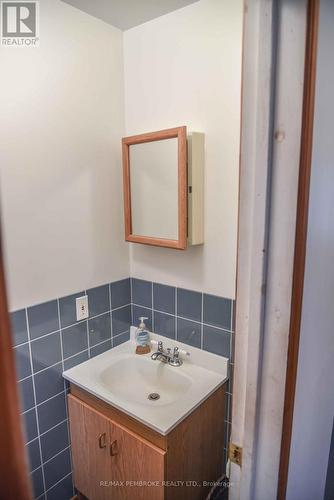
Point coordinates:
pixel 82 307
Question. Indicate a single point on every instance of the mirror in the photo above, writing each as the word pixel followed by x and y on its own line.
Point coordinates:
pixel 155 188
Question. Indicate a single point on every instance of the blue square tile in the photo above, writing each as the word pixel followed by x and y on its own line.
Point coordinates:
pixel 164 324
pixel 121 320
pixel 51 413
pixel 54 441
pixel 189 304
pixel 26 394
pixel 46 351
pixel 74 339
pixel 75 360
pixel 22 361
pixel 67 309
pixel 34 456
pixel 63 490
pixel 19 326
pixel 228 407
pixel 141 292
pixel 233 315
pixel 189 332
pixel 229 387
pixel 98 300
pixel 217 311
pixel 43 319
pixel 120 339
pixel 164 298
pixel 137 312
pixel 48 383
pixel 37 483
pixel 29 425
pixel 227 432
pixel 57 468
pixel 100 348
pixel 216 341
pixel 99 329
pixel 120 293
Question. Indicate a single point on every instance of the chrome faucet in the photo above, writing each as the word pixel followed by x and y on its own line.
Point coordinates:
pixel 172 359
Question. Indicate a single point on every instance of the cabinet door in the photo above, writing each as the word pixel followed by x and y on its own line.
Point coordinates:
pixel 137 463
pixel 90 438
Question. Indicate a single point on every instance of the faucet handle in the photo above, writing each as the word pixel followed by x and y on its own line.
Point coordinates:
pixel 176 352
pixel 160 346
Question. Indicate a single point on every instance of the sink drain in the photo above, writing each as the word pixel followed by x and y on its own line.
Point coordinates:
pixel 153 396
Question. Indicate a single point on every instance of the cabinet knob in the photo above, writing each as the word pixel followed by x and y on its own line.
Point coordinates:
pixel 102 440
pixel 114 448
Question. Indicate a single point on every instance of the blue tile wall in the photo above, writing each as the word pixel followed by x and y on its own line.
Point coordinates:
pixel 48 340
pixel 198 319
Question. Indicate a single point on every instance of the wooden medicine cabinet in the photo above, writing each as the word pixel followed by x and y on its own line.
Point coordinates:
pixel 163 175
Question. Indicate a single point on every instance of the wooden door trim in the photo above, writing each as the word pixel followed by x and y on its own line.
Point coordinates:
pixel 14 482
pixel 179 133
pixel 300 241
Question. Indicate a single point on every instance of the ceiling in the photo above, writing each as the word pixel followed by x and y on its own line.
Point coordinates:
pixel 125 14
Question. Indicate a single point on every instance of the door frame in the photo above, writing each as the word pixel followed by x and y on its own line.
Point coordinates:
pixel 14 479
pixel 274 50
pixel 300 239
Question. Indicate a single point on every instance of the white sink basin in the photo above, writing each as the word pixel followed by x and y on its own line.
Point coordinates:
pixel 134 378
pixel 125 380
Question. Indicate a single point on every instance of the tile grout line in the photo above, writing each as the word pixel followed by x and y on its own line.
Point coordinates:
pixel 45 432
pixel 44 401
pixel 56 484
pixel 52 397
pixel 73 356
pixel 131 301
pixel 202 321
pixel 87 328
pixel 51 458
pixel 111 316
pixel 175 308
pixel 152 313
pixel 40 371
pixel 189 319
pixel 64 383
pixel 35 400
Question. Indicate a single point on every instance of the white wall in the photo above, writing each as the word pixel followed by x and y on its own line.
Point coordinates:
pixel 60 127
pixel 184 68
pixel 314 401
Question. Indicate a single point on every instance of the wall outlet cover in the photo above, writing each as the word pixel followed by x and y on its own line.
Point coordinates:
pixel 82 307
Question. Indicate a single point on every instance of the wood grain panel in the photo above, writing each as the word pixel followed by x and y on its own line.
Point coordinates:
pixel 192 452
pixel 91 463
pixel 136 460
pixel 195 449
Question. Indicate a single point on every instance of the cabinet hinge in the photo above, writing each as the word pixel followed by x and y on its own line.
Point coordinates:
pixel 235 454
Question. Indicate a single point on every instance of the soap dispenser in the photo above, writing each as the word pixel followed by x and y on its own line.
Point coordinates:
pixel 142 338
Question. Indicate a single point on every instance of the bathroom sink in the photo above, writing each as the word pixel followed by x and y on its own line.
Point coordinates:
pixel 153 392
pixel 135 378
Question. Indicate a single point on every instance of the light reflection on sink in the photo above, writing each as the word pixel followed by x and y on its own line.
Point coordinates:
pixel 134 378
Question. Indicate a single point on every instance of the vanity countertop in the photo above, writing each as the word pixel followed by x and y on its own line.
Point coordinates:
pixel 125 380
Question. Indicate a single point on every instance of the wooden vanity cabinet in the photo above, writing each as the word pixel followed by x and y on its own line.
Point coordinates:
pixel 116 457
